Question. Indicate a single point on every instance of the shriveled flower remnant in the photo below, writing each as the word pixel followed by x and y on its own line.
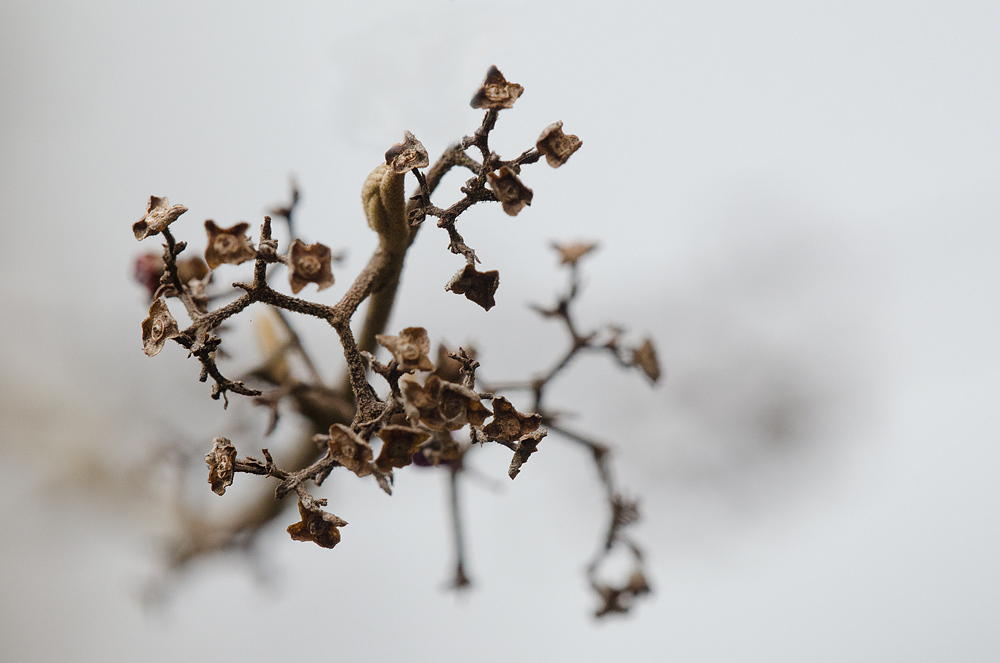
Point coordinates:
pixel 380 418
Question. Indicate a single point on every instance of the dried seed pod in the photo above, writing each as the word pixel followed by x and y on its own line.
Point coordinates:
pixel 509 425
pixel 644 357
pixel 404 157
pixel 571 253
pixel 409 349
pixel 158 328
pixel 496 92
pixel 316 525
pixel 348 449
pixel 509 190
pixel 228 245
pixel 309 263
pixel 401 442
pixel 159 215
pixel 478 287
pixel 221 461
pixel 557 146
pixel 526 446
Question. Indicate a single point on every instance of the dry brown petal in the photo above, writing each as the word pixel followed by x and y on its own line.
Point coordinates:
pixel 309 263
pixel 478 287
pixel 409 349
pixel 404 157
pixel 317 526
pixel 496 92
pixel 159 215
pixel 401 442
pixel 228 245
pixel 158 328
pixel 348 449
pixel 526 446
pixel 509 190
pixel 461 405
pixel 570 253
pixel 508 424
pixel 557 146
pixel 221 465
pixel 422 403
pixel 645 358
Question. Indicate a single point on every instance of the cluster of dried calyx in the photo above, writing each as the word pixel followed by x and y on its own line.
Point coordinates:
pixel 427 403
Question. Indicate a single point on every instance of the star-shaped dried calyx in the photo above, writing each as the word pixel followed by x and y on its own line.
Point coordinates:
pixel 442 405
pixel 478 287
pixel 318 526
pixel 557 146
pixel 440 449
pixel 221 461
pixel 309 263
pixel 230 246
pixel 509 190
pixel 158 328
pixel 509 425
pixel 159 215
pixel 526 446
pixel 644 357
pixel 571 253
pixel 404 157
pixel 348 449
pixel 621 599
pixel 401 442
pixel 409 349
pixel 496 92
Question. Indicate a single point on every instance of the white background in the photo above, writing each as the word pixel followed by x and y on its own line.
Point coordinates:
pixel 797 201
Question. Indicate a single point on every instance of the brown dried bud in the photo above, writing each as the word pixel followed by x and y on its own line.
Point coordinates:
pixel 401 442
pixel 228 245
pixel 159 215
pixel 496 92
pixel 348 449
pixel 557 146
pixel 570 253
pixel 478 287
pixel 525 447
pixel 645 358
pixel 221 462
pixel 158 328
pixel 404 157
pixel 409 349
pixel 509 190
pixel 509 425
pixel 309 263
pixel 317 525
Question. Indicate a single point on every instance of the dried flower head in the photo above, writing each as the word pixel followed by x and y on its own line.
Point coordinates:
pixel 221 462
pixel 570 253
pixel 409 349
pixel 645 358
pixel 158 328
pixel 461 405
pixel 228 245
pixel 508 424
pixel 316 525
pixel 557 146
pixel 309 263
pixel 423 402
pixel 401 442
pixel 159 215
pixel 348 449
pixel 496 92
pixel 478 287
pixel 525 447
pixel 404 157
pixel 621 599
pixel 509 190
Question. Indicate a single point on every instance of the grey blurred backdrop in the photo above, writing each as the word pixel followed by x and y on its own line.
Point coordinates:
pixel 798 201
